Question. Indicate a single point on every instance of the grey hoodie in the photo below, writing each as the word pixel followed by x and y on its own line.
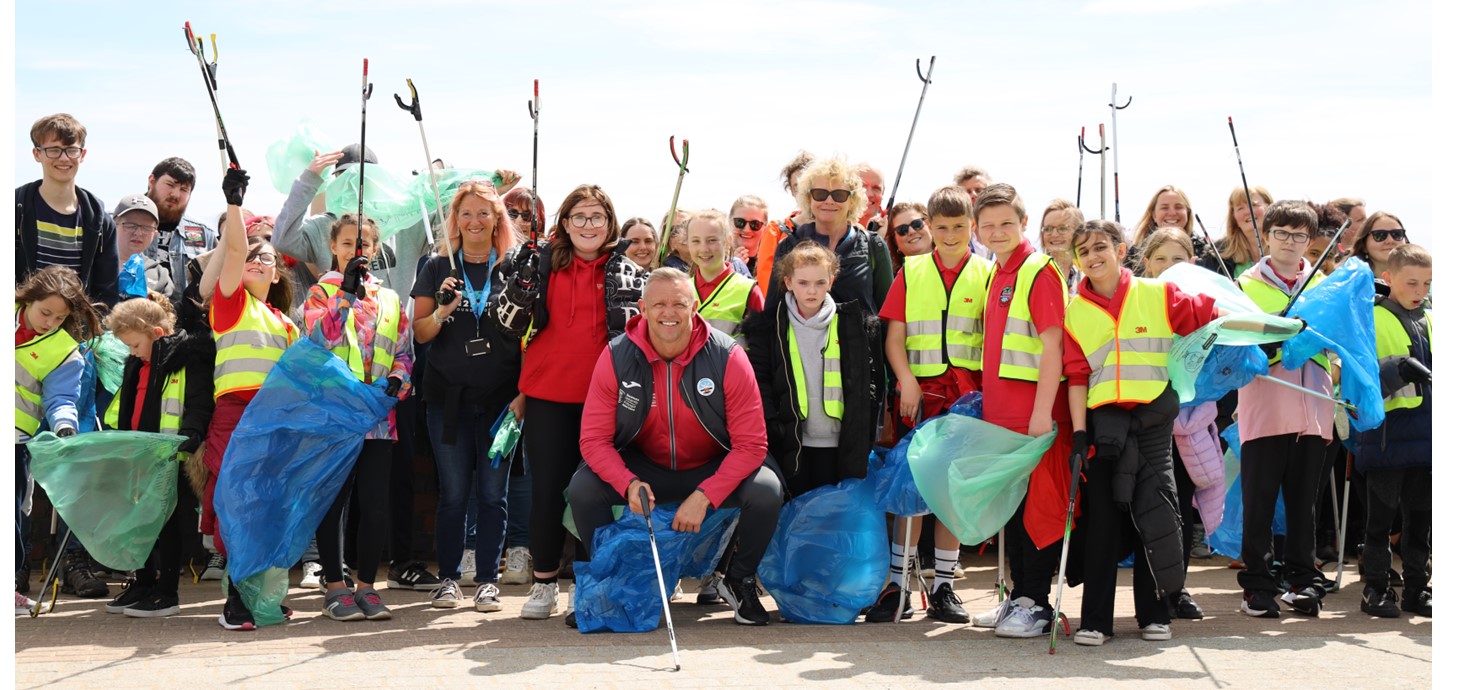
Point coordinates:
pixel 820 430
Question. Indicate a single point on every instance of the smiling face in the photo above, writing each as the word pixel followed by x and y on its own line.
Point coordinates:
pixel 809 285
pixel 475 219
pixel 1164 257
pixel 1170 210
pixel 1409 285
pixel 135 231
pixel 643 245
pixel 872 182
pixel 61 169
pixel 170 196
pixel 260 271
pixel 1380 251
pixel 1000 229
pixel 829 212
pixel 667 306
pixel 1056 232
pixel 1099 257
pixel 950 237
pixel 46 315
pixel 140 342
pixel 917 241
pixel 343 245
pixel 706 244
pixel 589 238
pixel 748 236
pixel 1243 217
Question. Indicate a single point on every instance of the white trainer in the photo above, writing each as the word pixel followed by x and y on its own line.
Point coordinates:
pixel 542 601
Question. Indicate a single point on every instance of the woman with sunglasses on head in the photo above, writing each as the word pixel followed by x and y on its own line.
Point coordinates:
pixel 909 233
pixel 1056 238
pixel 581 296
pixel 749 216
pixel 831 197
pixel 1380 234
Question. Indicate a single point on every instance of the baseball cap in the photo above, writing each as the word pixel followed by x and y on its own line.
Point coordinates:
pixel 352 155
pixel 136 202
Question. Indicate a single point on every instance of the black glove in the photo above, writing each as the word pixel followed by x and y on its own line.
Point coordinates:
pixel 1414 371
pixel 525 265
pixel 392 386
pixel 235 183
pixel 66 432
pixel 1271 350
pixel 355 274
pixel 1080 455
pixel 190 445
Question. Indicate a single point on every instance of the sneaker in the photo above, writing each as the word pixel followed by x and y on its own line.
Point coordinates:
pixel 22 579
pixel 994 616
pixel 344 571
pixel 23 605
pixel 81 581
pixel 945 606
pixel 709 590
pixel 958 573
pixel 1379 602
pixel 128 598
pixel 286 612
pixel 369 602
pixel 1027 619
pixel 542 601
pixel 519 567
pixel 678 592
pixel 1156 632
pixel 446 595
pixel 743 595
pixel 572 618
pixel 1201 551
pixel 488 598
pixel 886 606
pixel 313 573
pixel 468 562
pixel 412 576
pixel 1094 638
pixel 155 605
pixel 1418 601
pixel 1259 604
pixel 1184 607
pixel 217 563
pixel 1307 601
pixel 236 615
pixel 340 605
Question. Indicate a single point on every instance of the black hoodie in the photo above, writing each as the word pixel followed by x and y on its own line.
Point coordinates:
pixel 183 350
pixel 99 262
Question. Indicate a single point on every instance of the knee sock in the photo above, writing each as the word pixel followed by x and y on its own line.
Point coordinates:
pixel 899 555
pixel 943 573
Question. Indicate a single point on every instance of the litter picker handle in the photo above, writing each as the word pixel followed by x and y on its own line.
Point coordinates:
pixel 415 107
pixel 919 64
pixel 644 500
pixel 682 162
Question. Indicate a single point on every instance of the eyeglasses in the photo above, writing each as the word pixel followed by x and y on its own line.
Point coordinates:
pixel 755 225
pixel 1284 236
pixel 263 258
pixel 1384 235
pixel 514 214
pixel 596 220
pixel 54 152
pixel 837 195
pixel 1058 230
pixel 138 228
pixel 914 226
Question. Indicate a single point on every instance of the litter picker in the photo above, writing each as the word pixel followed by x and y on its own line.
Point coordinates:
pixel 1213 246
pixel 1115 146
pixel 659 570
pixel 1257 232
pixel 534 107
pixel 210 81
pixel 415 110
pixel 1054 623
pixel 892 198
pixel 1323 257
pixel 682 161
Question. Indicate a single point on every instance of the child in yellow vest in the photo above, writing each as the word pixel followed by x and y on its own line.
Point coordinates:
pixel 167 387
pixel 366 327
pixel 725 297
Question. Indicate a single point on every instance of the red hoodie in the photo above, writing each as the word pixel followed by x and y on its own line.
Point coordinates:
pixel 693 446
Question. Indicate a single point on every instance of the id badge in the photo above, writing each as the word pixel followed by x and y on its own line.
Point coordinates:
pixel 478 347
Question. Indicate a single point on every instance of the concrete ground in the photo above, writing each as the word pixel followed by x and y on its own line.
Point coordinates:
pixel 80 645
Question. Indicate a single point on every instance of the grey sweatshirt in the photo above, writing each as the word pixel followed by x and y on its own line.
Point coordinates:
pixel 820 431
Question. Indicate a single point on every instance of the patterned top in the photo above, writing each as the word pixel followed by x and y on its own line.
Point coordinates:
pixel 331 314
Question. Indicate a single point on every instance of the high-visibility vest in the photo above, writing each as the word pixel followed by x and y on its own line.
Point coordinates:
pixel 247 352
pixel 387 331
pixel 833 400
pixel 1273 301
pixel 1393 344
pixel 945 326
pixel 170 418
pixel 34 360
pixel 1022 348
pixel 725 307
pixel 1127 355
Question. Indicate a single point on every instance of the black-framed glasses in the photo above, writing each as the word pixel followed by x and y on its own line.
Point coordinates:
pixel 905 228
pixel 837 195
pixel 596 220
pixel 514 214
pixel 1384 235
pixel 264 258
pixel 1284 236
pixel 138 228
pixel 755 225
pixel 54 152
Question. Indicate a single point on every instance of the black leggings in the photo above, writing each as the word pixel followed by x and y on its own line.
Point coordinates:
pixel 402 484
pixel 164 565
pixel 551 433
pixel 1185 492
pixel 370 480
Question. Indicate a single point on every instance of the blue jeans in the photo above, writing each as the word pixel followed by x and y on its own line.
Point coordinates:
pixel 455 464
pixel 519 501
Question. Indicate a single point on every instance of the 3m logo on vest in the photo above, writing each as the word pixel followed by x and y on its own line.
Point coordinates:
pixel 705 387
pixel 1140 329
pixel 968 300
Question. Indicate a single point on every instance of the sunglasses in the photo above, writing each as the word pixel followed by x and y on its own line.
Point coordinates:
pixel 837 195
pixel 755 225
pixel 914 226
pixel 514 214
pixel 1384 235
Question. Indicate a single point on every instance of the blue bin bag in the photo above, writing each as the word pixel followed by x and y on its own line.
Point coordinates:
pixel 828 558
pixel 1340 317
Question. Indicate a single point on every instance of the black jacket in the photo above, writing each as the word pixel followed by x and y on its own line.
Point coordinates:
pixel 864 266
pixel 521 304
pixel 769 351
pixel 99 262
pixel 184 350
pixel 1406 438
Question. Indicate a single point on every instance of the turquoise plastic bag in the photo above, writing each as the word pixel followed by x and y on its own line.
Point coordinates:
pixel 387 199
pixel 505 434
pixel 114 489
pixel 973 474
pixel 287 158
pixel 616 590
pixel 828 558
pixel 1222 356
pixel 1340 317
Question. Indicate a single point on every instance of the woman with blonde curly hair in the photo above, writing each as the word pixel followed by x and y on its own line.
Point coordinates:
pixel 832 198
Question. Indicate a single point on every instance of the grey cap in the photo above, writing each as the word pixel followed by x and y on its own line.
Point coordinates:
pixel 136 202
pixel 352 155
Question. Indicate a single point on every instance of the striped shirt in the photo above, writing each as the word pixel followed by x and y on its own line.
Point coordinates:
pixel 59 237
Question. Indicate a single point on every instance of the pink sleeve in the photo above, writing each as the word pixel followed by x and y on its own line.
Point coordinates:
pixel 329 312
pixel 746 423
pixel 596 439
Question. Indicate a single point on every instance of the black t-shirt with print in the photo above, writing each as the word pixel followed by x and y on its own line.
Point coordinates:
pixel 490 378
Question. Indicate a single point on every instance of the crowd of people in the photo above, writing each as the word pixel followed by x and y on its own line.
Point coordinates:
pixel 749 361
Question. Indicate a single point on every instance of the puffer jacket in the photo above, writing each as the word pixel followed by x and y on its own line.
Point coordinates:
pixel 192 353
pixel 1406 438
pixel 1201 452
pixel 522 305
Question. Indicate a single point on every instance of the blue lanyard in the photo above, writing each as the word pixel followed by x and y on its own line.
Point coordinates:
pixel 478 298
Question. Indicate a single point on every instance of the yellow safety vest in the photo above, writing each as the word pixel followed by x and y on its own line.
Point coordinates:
pixel 1022 348
pixel 172 404
pixel 1393 344
pixel 945 326
pixel 1272 300
pixel 247 352
pixel 34 360
pixel 832 399
pixel 1127 355
pixel 725 307
pixel 387 331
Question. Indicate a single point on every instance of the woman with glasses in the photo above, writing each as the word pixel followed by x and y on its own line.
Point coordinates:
pixel 1056 238
pixel 909 232
pixel 831 197
pixel 1378 237
pixel 519 210
pixel 581 294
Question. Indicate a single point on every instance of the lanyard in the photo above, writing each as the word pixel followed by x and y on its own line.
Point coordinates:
pixel 478 297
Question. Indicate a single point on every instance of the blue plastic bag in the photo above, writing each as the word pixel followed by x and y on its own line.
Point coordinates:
pixel 132 279
pixel 1340 317
pixel 616 590
pixel 896 492
pixel 288 458
pixel 1226 369
pixel 828 558
pixel 1227 539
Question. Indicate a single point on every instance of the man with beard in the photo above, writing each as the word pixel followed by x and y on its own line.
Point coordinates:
pixel 179 238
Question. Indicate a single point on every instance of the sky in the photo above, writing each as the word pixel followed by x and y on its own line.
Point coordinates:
pixel 1330 99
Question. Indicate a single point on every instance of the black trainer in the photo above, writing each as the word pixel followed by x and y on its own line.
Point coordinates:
pixel 236 615
pixel 1417 601
pixel 412 575
pixel 945 606
pixel 80 580
pixel 1183 606
pixel 1307 600
pixel 22 578
pixel 155 605
pixel 1379 602
pixel 886 606
pixel 129 597
pixel 1259 604
pixel 743 595
pixel 709 590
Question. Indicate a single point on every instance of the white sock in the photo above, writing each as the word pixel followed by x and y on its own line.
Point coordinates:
pixel 943 573
pixel 899 556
